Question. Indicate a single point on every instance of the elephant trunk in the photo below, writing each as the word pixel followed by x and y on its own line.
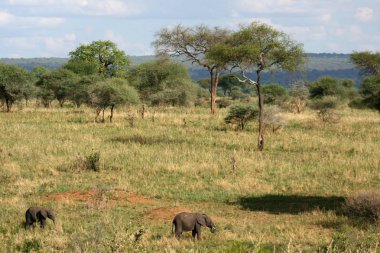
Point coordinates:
pixel 212 227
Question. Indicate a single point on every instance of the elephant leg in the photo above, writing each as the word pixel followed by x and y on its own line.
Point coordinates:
pixel 198 231
pixel 29 220
pixel 178 231
pixel 43 222
pixel 194 233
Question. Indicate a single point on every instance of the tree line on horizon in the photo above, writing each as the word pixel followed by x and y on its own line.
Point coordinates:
pixel 100 75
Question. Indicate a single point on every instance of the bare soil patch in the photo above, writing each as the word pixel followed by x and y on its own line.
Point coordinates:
pixel 165 213
pixel 100 198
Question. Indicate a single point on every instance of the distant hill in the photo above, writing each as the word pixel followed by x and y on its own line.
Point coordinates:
pixel 323 64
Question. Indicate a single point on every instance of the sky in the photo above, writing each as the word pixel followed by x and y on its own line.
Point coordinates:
pixel 53 28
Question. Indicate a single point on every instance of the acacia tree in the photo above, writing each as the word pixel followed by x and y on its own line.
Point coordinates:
pixel 104 56
pixel 259 47
pixel 14 84
pixel 58 84
pixel 193 45
pixel 110 93
pixel 367 62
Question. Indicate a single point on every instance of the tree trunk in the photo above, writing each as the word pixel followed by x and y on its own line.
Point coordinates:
pixel 214 86
pixel 260 143
pixel 9 104
pixel 111 116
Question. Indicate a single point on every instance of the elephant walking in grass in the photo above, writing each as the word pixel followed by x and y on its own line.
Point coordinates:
pixel 38 214
pixel 191 222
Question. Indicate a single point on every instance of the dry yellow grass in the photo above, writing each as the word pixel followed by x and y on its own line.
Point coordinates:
pixel 285 199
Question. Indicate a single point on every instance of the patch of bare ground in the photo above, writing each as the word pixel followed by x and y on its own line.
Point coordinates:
pixel 99 198
pixel 165 213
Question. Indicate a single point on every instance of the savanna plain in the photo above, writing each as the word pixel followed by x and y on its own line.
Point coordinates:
pixel 287 198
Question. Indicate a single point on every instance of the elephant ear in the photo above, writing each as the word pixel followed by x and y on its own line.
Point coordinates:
pixel 201 219
pixel 43 213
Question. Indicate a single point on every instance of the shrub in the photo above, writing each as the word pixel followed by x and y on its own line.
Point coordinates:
pixel 326 109
pixel 241 114
pixel 273 119
pixel 223 103
pixel 274 94
pixel 237 93
pixel 365 204
pixel 90 162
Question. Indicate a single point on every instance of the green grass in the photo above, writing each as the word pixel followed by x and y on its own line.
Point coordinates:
pixel 285 199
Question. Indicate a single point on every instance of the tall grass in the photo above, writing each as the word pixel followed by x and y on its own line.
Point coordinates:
pixel 284 199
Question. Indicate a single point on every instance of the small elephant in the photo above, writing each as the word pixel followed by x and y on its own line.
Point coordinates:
pixel 191 222
pixel 35 213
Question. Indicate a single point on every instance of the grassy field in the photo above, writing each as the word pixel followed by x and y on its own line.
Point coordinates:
pixel 287 198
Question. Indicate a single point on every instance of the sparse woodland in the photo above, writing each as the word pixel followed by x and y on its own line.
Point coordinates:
pixel 118 150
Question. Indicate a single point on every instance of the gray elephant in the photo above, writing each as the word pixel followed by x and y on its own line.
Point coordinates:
pixel 38 214
pixel 191 222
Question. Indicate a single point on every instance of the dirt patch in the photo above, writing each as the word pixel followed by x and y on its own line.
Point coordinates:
pixel 100 198
pixel 164 213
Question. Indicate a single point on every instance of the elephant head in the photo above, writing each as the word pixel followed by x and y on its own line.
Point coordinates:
pixel 206 221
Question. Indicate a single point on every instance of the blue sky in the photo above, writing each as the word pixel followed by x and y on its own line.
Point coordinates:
pixel 53 28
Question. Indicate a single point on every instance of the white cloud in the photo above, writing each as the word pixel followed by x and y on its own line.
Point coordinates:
pixel 112 7
pixel 85 7
pixel 325 18
pixel 20 42
pixel 288 6
pixel 364 14
pixel 70 37
pixel 5 18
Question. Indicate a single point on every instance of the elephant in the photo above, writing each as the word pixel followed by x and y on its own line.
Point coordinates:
pixel 38 214
pixel 191 222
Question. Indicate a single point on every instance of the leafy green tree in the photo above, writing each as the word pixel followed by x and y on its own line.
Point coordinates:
pixel 367 62
pixel 39 71
pixel 79 93
pixel 240 115
pixel 14 84
pixel 104 56
pixel 57 84
pixel 329 86
pixel 82 68
pixel 163 82
pixel 236 93
pixel 111 93
pixel 193 44
pixel 228 81
pixel 259 47
pixel 274 94
pixel 204 83
pixel 370 90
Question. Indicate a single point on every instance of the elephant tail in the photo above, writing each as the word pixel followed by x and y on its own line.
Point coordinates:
pixel 173 224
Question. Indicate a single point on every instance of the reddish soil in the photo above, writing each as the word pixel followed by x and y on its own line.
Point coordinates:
pixel 164 213
pixel 98 198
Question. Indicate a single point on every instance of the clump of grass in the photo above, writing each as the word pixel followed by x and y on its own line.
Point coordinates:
pixel 352 241
pixel 83 163
pixel 365 204
pixel 29 245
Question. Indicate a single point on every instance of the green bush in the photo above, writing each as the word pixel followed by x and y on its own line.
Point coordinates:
pixel 240 115
pixel 89 162
pixel 274 94
pixel 326 108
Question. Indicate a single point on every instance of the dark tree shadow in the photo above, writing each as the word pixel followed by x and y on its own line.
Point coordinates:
pixel 291 204
pixel 146 140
